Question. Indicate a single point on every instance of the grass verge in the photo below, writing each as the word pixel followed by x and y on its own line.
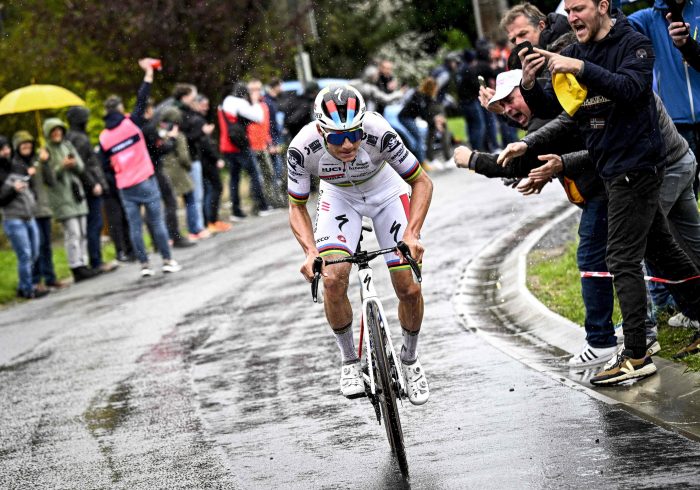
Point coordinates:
pixel 552 276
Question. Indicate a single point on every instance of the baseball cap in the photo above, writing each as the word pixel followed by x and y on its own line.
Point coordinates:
pixel 505 83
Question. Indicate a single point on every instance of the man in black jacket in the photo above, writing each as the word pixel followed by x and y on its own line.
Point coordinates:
pixel 619 123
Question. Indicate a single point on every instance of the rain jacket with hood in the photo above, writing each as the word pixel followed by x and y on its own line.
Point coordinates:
pixel 14 205
pixel 618 120
pixel 677 84
pixel 77 118
pixel 66 196
pixel 177 163
pixel 42 178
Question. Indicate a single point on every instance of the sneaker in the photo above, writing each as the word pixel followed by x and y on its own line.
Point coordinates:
pixel 692 348
pixel 171 266
pixel 416 384
pixel 33 294
pixel 108 267
pixel 268 211
pixel 681 321
pixel 653 348
pixel 146 270
pixel 221 227
pixel 351 383
pixel 183 242
pixel 592 356
pixel 238 216
pixel 624 368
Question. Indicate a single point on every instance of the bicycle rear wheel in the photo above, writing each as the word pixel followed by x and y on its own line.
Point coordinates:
pixel 389 388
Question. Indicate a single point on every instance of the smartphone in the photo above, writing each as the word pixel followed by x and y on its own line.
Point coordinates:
pixel 676 8
pixel 524 45
pixel 482 82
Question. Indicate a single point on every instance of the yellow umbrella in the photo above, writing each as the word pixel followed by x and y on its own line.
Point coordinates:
pixel 38 97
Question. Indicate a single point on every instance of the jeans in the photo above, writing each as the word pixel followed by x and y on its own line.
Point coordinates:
pixel 691 133
pixel 678 204
pixel 24 237
pixel 476 124
pixel 94 230
pixel 191 212
pixel 75 241
pixel 415 143
pixel 597 293
pixel 637 229
pixel 147 194
pixel 43 267
pixel 244 160
pixel 198 192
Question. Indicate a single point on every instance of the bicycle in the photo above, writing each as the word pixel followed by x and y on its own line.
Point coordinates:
pixel 381 368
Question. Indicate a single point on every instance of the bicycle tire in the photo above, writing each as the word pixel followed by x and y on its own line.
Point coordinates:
pixel 388 392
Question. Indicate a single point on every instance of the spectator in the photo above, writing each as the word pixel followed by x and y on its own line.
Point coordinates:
pixel 41 175
pixel 468 92
pixel 94 185
pixel 160 134
pixel 271 100
pixel 419 105
pixel 17 204
pixel 260 141
pixel 238 110
pixel 631 172
pixel 678 86
pixel 67 196
pixel 123 143
pixel 117 225
pixel 195 128
pixel 298 111
pixel 375 98
pixel 689 47
pixel 212 164
pixel 386 82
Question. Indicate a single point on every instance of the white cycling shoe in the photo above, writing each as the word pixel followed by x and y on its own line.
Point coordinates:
pixel 351 383
pixel 416 383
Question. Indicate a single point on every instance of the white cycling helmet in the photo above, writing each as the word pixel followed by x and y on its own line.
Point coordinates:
pixel 339 108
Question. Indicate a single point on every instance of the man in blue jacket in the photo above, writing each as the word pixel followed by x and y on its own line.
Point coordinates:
pixel 677 84
pixel 619 123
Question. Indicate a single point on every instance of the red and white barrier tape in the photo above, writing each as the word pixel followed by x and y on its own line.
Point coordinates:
pixel 646 278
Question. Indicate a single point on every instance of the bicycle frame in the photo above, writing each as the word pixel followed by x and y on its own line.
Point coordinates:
pixel 369 295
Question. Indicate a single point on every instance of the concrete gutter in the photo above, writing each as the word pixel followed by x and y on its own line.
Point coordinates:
pixel 493 301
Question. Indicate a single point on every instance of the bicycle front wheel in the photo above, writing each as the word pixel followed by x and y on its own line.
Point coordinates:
pixel 388 385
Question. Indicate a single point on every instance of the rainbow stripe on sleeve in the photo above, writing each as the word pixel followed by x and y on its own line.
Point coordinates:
pixel 298 198
pixel 412 174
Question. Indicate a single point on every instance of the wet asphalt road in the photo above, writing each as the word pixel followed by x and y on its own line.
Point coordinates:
pixel 225 376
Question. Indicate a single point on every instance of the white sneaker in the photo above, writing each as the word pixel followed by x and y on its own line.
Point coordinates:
pixel 171 266
pixel 146 270
pixel 416 384
pixel 592 356
pixel 351 383
pixel 268 211
pixel 679 320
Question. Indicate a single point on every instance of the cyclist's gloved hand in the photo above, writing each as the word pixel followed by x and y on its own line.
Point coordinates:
pixel 307 268
pixel 415 246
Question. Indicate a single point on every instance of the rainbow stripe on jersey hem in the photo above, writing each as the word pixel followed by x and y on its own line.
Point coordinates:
pixel 298 198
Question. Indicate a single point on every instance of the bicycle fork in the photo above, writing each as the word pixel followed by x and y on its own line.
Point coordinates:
pixel 369 295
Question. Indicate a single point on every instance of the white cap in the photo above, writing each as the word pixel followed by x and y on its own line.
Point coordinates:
pixel 505 83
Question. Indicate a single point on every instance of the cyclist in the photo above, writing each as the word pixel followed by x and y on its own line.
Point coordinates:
pixel 349 148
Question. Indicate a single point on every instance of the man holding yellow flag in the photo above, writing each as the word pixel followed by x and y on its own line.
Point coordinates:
pixel 604 81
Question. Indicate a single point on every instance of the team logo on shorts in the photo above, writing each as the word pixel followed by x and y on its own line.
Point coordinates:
pixel 342 220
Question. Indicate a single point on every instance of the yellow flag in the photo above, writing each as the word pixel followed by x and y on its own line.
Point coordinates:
pixel 570 93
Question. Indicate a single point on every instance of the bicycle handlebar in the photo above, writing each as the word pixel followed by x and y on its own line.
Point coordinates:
pixel 364 258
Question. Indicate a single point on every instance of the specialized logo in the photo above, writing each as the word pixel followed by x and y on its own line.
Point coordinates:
pixel 367 282
pixel 295 159
pixel 338 92
pixel 395 230
pixel 389 142
pixel 342 220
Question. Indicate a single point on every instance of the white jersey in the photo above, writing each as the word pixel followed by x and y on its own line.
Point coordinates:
pixel 307 156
